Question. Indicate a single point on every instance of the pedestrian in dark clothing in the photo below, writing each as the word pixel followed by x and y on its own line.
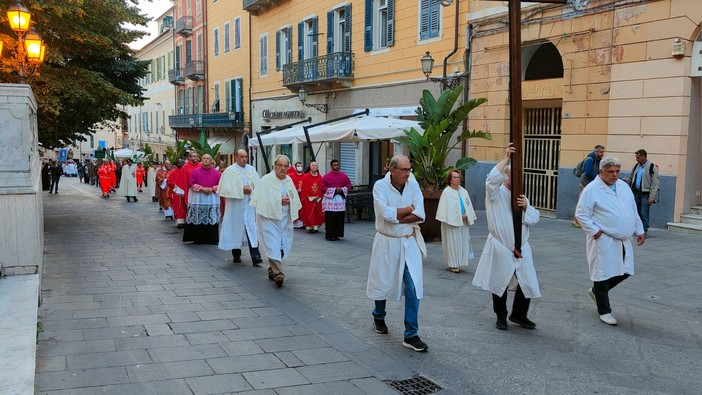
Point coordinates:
pixel 55 170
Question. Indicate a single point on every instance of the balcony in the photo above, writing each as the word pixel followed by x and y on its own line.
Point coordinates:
pixel 213 120
pixel 195 70
pixel 184 26
pixel 176 76
pixel 256 7
pixel 334 68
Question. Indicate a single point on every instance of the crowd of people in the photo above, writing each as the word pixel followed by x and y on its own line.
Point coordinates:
pixel 231 207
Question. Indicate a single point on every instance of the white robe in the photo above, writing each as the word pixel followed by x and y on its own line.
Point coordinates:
pixel 127 184
pixel 455 231
pixel 600 208
pixel 151 180
pixel 395 245
pixel 239 216
pixel 274 220
pixel 498 265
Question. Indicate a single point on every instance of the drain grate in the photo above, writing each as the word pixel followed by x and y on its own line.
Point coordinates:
pixel 417 385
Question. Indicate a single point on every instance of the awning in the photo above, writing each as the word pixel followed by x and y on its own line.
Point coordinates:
pixel 361 128
pixel 228 144
pixel 392 111
pixel 127 153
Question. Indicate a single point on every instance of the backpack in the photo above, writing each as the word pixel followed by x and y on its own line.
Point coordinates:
pixel 580 168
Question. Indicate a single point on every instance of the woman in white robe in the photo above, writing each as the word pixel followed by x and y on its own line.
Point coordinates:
pixel 456 214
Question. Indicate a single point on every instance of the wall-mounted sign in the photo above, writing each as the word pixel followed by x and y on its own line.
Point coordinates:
pixel 273 114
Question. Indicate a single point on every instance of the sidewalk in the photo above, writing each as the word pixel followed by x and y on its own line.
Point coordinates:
pixel 128 309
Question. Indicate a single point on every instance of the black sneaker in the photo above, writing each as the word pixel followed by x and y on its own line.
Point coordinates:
pixel 380 326
pixel 523 322
pixel 256 260
pixel 415 344
pixel 501 323
pixel 236 255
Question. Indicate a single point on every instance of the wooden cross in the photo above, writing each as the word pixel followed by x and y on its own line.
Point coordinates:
pixel 515 110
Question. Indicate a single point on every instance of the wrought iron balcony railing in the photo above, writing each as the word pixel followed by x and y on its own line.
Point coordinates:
pixel 176 76
pixel 334 67
pixel 184 26
pixel 195 70
pixel 257 6
pixel 212 120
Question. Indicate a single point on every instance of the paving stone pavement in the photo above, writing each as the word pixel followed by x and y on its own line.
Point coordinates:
pixel 129 309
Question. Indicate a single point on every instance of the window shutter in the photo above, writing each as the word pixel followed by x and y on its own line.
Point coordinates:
pixel 368 27
pixel 300 41
pixel 288 45
pixel 424 19
pixel 330 32
pixel 315 36
pixel 238 99
pixel 391 22
pixel 227 96
pixel 277 50
pixel 434 18
pixel 177 56
pixel 347 27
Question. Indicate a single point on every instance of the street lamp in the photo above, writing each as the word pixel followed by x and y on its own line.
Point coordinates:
pixel 302 95
pixel 30 47
pixel 446 82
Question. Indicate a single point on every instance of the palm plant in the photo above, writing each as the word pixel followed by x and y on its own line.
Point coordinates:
pixel 177 152
pixel 203 147
pixel 440 122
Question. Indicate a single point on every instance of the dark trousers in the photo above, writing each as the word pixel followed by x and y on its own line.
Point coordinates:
pixel 334 224
pixel 601 291
pixel 642 207
pixel 54 184
pixel 253 251
pixel 520 305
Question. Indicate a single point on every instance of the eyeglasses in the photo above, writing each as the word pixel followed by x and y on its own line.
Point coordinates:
pixel 405 171
pixel 281 165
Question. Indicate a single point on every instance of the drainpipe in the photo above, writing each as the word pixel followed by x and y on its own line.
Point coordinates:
pixel 455 40
pixel 468 60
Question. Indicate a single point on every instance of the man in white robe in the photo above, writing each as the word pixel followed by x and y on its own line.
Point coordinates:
pixel 236 185
pixel 607 213
pixel 501 266
pixel 128 184
pixel 277 205
pixel 151 181
pixel 398 247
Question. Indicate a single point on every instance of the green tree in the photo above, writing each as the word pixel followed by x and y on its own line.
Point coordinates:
pixel 89 70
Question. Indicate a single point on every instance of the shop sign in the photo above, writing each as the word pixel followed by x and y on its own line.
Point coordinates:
pixel 268 114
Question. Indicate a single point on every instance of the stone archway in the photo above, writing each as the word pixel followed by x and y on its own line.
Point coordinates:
pixel 542 73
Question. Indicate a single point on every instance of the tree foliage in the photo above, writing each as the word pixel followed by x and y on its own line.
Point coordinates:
pixel 89 71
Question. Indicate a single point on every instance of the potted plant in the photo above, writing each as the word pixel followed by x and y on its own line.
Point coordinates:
pixel 429 151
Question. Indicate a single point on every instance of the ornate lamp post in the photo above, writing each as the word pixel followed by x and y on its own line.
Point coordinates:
pixel 30 47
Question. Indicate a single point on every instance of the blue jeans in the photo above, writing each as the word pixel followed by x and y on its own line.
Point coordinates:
pixel 642 207
pixel 411 306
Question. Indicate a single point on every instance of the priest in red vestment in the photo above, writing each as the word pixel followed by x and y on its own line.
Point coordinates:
pixel 177 193
pixel 295 173
pixel 182 181
pixel 311 195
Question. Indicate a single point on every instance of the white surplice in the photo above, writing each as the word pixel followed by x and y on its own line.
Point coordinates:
pixel 151 181
pixel 239 216
pixel 274 220
pixel 601 208
pixel 498 265
pixel 395 245
pixel 127 184
pixel 455 231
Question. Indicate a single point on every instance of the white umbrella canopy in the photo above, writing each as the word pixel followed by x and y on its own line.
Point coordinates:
pixel 127 153
pixel 365 128
pixel 285 136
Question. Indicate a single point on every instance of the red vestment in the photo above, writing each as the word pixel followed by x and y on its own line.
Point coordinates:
pixel 105 175
pixel 164 195
pixel 311 212
pixel 139 176
pixel 182 180
pixel 113 176
pixel 297 181
pixel 177 201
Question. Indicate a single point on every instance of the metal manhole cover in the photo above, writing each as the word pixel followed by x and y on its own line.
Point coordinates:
pixel 417 385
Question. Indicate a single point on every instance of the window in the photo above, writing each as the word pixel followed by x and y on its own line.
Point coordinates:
pixel 307 39
pixel 234 98
pixel 379 24
pixel 199 47
pixel 198 8
pixel 216 41
pixel 215 103
pixel 189 8
pixel 188 51
pixel 237 32
pixel 92 140
pixel 226 37
pixel 283 47
pixel 264 54
pixel 429 18
pixel 339 30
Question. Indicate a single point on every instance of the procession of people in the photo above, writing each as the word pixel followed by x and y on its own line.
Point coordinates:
pixel 262 213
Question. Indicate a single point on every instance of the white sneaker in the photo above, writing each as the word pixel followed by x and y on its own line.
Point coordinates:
pixel 608 319
pixel 592 295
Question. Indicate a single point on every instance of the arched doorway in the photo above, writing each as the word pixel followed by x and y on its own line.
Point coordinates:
pixel 693 163
pixel 542 75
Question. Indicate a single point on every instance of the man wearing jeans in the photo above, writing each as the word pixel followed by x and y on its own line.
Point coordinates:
pixel 607 214
pixel 398 247
pixel 644 183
